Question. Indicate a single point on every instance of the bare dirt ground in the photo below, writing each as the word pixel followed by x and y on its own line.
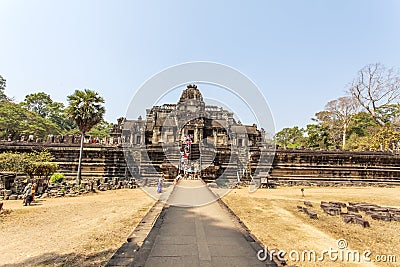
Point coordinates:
pixel 272 216
pixel 76 231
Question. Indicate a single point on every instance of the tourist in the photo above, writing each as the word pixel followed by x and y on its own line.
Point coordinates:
pixel 27 194
pixel 178 178
pixel 160 182
pixel 34 187
pixel 9 137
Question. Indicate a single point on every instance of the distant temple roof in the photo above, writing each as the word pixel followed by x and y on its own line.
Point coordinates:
pixel 191 92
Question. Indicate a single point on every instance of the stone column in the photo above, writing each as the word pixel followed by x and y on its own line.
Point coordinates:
pixel 155 133
pixel 195 137
pixel 215 137
pixel 142 137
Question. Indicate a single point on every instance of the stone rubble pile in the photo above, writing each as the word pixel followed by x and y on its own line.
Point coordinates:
pixel 351 213
pixel 71 190
pixel 310 213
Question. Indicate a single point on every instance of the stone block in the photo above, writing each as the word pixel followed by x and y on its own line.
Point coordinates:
pixel 348 219
pixel 382 217
pixel 396 217
pixel 338 204
pixel 352 208
pixel 299 208
pixel 308 203
pixel 312 214
pixel 332 210
pixel 380 210
pixel 355 214
pixel 361 221
pixel 13 197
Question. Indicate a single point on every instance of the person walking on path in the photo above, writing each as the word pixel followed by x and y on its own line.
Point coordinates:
pixel 160 182
pixel 178 178
pixel 28 194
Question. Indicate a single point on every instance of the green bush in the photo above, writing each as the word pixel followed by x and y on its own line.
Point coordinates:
pixel 62 191
pixel 57 178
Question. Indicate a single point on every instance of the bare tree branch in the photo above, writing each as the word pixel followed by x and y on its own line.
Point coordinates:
pixel 376 87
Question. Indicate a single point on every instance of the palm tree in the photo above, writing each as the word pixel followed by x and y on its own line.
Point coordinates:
pixel 86 110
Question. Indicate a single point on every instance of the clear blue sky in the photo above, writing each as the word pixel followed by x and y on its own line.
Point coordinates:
pixel 300 53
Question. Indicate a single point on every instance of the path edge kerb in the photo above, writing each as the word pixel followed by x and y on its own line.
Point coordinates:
pixel 135 250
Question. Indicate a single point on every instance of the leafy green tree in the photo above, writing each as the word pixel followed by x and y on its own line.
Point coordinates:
pixel 3 85
pixel 328 121
pixel 85 110
pixel 317 136
pixel 101 130
pixel 17 121
pixel 39 103
pixel 12 162
pixel 363 124
pixel 389 113
pixel 290 137
pixel 42 104
pixel 35 164
pixel 386 138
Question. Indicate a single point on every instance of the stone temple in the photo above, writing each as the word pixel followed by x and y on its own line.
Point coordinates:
pixel 194 139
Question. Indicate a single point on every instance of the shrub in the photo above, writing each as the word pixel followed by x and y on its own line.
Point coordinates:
pixel 57 178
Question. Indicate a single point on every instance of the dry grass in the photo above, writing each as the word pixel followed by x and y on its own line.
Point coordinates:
pixel 81 231
pixel 272 216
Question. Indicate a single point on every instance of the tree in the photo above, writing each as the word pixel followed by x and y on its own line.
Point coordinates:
pixel 39 103
pixel 290 137
pixel 33 164
pixel 341 111
pixel 16 121
pixel 387 138
pixel 376 87
pixel 42 104
pixel 362 124
pixel 3 85
pixel 101 130
pixel 58 116
pixel 327 120
pixel 389 113
pixel 85 110
pixel 317 136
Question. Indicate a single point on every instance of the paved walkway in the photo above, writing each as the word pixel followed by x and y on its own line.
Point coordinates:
pixel 197 236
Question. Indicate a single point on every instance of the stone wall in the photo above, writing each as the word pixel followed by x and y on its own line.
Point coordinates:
pixel 98 161
pixel 306 167
pixel 310 167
